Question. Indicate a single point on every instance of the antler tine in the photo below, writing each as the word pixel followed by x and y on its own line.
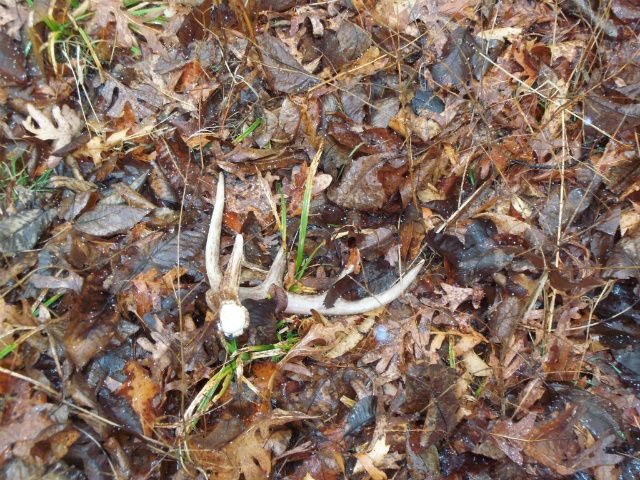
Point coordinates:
pixel 274 276
pixel 212 249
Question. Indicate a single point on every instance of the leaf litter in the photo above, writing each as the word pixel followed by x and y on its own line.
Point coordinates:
pixel 498 142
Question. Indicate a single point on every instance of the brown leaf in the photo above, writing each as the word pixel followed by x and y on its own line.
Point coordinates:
pixel 361 186
pixel 510 436
pixel 21 231
pixel 367 140
pixel 624 261
pixel 141 392
pixel 107 10
pixel 94 322
pixel 13 16
pixel 12 63
pixel 107 220
pixel 345 44
pixel 284 71
pixel 248 454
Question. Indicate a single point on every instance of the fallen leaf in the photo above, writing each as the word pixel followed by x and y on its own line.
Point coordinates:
pixel 361 186
pixel 21 232
pixel 107 10
pixel 345 44
pixel 141 392
pixel 67 125
pixel 107 220
pixel 247 454
pixel 13 16
pixel 363 139
pixel 624 261
pixel 284 71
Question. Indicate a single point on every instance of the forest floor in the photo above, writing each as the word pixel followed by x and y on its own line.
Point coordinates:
pixel 492 146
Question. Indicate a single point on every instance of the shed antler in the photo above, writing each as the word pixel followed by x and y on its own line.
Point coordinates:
pixel 225 293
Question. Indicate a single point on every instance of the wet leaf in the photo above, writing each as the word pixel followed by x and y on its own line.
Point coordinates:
pixel 13 15
pixel 113 10
pixel 624 261
pixel 248 453
pixel 362 413
pixel 461 55
pixel 21 232
pixel 94 326
pixel 365 140
pixel 285 73
pixel 480 256
pixel 12 64
pixel 345 44
pixel 362 183
pixel 61 128
pixel 107 220
pixel 141 392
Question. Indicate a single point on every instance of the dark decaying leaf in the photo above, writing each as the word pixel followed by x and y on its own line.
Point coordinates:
pixel 362 413
pixel 478 258
pixel 425 99
pixel 21 231
pixel 461 54
pixel 345 44
pixel 12 64
pixel 94 319
pixel 628 362
pixel 594 413
pixel 142 99
pixel 431 388
pixel 285 73
pixel 161 251
pixel 374 278
pixel 106 220
pixel 624 261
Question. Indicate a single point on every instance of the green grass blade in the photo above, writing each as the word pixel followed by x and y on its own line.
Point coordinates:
pixel 306 203
pixel 256 123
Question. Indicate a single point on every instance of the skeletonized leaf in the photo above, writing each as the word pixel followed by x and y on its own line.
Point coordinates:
pixel 21 231
pixel 107 220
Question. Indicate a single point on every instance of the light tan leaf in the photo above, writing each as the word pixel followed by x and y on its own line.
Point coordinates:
pixel 506 223
pixel 13 16
pixel 67 125
pixel 107 10
pixel 375 458
pixel 248 454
